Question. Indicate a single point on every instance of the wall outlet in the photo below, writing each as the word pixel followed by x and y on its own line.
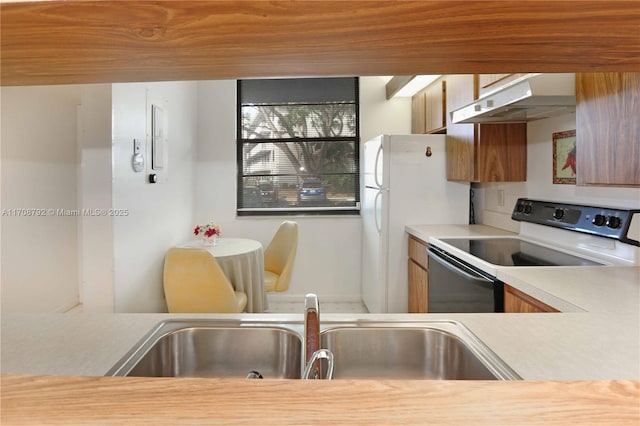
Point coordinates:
pixel 501 197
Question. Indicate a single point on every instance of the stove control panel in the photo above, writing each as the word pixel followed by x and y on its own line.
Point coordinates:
pixel 606 222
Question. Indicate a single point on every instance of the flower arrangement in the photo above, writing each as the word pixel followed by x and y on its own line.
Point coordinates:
pixel 208 232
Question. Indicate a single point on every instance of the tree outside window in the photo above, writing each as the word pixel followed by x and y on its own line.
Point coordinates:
pixel 298 146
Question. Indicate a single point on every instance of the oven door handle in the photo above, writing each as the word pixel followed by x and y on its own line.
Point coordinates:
pixel 455 266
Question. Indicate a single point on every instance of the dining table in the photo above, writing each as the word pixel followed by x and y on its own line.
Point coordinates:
pixel 242 261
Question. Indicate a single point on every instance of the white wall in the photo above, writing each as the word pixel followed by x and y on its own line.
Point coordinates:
pixel 379 115
pixel 39 171
pixel 117 261
pixel 158 215
pixel 95 178
pixel 328 257
pixel 539 182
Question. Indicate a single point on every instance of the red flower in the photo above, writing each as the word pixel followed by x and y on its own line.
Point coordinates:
pixel 197 230
pixel 210 233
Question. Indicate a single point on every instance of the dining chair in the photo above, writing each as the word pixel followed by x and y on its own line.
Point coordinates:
pixel 279 257
pixel 195 283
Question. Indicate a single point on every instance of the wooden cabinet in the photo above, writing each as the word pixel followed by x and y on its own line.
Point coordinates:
pixel 418 276
pixel 488 82
pixel 418 112
pixel 436 109
pixel 516 301
pixel 428 108
pixel 608 129
pixel 482 152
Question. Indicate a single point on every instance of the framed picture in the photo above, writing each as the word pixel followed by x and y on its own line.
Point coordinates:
pixel 564 157
pixel 158 138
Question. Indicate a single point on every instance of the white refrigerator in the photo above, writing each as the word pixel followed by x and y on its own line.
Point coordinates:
pixel 404 184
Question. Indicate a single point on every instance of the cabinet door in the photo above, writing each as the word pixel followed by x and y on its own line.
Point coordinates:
pixel 436 109
pixel 418 281
pixel 488 82
pixel 516 301
pixel 501 153
pixel 482 152
pixel 418 288
pixel 608 129
pixel 460 137
pixel 418 251
pixel 418 112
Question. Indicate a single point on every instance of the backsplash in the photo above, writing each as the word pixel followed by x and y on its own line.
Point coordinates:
pixel 494 204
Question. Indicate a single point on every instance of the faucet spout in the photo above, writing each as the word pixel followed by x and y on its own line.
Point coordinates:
pixel 312 336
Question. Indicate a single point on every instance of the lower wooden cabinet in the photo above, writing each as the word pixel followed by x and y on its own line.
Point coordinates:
pixel 516 301
pixel 418 276
pixel 418 288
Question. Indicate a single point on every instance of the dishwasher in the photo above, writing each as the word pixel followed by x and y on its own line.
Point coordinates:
pixel 456 286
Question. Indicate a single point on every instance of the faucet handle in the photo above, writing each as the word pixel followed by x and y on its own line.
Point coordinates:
pixel 317 356
pixel 311 302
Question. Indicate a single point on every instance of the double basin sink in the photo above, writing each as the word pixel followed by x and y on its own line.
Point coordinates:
pixel 444 350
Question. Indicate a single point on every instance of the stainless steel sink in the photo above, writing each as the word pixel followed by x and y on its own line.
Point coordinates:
pixel 207 349
pixel 361 350
pixel 440 350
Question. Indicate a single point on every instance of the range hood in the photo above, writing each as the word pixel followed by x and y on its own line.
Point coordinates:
pixel 531 97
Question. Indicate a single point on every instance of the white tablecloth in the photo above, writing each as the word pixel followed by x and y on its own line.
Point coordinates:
pixel 242 261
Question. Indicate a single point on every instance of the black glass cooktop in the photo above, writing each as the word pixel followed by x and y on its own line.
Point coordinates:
pixel 516 252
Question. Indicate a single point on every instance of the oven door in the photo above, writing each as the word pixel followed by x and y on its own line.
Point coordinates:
pixel 455 286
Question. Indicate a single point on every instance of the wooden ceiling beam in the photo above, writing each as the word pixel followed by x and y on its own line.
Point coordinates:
pixel 90 41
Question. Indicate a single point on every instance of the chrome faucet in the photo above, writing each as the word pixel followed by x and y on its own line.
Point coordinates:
pixel 312 350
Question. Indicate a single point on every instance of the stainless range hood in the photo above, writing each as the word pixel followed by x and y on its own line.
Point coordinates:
pixel 531 97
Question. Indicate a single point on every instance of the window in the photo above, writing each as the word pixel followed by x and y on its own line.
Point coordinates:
pixel 298 146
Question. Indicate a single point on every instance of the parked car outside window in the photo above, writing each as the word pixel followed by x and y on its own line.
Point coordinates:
pixel 311 190
pixel 298 142
pixel 251 197
pixel 268 193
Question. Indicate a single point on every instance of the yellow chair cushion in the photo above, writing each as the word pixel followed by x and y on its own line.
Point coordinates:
pixel 270 280
pixel 194 282
pixel 241 301
pixel 279 257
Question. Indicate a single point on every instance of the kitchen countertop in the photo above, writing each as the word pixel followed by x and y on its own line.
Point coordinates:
pixel 596 339
pixel 424 232
pixel 568 346
pixel 594 289
pixel 596 299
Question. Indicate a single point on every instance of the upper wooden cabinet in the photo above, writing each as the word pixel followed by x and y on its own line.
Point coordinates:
pixel 488 82
pixel 428 108
pixel 482 152
pixel 608 129
pixel 418 112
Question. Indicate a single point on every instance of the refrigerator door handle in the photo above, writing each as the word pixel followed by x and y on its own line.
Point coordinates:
pixel 375 212
pixel 375 167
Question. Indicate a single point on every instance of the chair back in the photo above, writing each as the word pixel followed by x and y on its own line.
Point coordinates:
pixel 194 282
pixel 281 252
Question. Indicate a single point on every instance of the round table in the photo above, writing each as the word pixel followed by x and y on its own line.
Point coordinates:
pixel 242 261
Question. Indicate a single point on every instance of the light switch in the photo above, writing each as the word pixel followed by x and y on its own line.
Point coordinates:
pixel 137 162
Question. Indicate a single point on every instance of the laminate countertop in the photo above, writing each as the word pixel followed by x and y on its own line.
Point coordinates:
pixel 580 366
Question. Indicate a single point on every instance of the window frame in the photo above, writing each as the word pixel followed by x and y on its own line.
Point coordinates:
pixel 296 210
